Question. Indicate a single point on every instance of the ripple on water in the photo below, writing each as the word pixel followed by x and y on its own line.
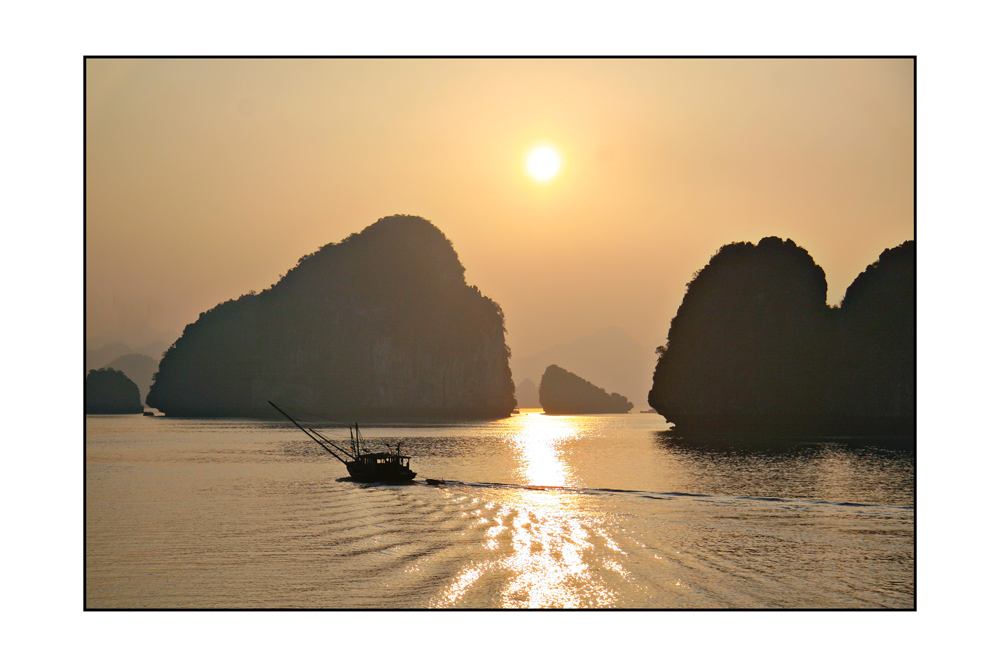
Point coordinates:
pixel 246 517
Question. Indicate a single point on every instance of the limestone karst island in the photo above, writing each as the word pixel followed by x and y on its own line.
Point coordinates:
pixel 565 393
pixel 379 326
pixel 755 348
pixel 108 391
pixel 383 326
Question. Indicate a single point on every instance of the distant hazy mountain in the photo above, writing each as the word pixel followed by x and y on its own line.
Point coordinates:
pixel 527 394
pixel 155 349
pixel 139 368
pixel 609 358
pixel 101 357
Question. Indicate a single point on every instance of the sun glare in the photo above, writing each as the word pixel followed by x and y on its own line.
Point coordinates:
pixel 543 163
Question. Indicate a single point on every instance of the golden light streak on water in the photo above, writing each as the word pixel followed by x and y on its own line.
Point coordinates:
pixel 229 514
pixel 537 441
pixel 546 556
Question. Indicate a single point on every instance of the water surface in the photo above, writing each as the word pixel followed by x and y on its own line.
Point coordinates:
pixel 537 511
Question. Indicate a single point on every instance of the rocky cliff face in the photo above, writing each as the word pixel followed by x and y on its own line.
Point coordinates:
pixel 379 326
pixel 754 347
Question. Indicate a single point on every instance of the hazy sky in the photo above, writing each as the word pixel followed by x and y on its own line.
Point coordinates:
pixel 210 178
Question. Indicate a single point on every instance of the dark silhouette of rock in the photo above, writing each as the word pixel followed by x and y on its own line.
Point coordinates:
pixel 379 326
pixel 527 394
pixel 609 357
pixel 873 385
pixel 139 368
pixel 109 392
pixel 563 393
pixel 755 348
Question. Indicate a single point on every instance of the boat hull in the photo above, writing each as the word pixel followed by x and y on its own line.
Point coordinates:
pixel 397 474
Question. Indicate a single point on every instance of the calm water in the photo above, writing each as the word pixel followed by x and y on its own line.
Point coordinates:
pixel 237 514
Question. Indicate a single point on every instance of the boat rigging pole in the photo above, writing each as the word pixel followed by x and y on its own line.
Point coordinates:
pixel 330 442
pixel 304 430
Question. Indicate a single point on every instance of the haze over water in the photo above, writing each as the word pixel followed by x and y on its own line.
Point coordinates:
pixel 232 514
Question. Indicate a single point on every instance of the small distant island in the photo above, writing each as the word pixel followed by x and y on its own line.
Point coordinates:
pixel 109 392
pixel 380 326
pixel 754 346
pixel 527 394
pixel 608 357
pixel 137 367
pixel 564 393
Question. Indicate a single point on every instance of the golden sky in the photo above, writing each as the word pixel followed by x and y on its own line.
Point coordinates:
pixel 210 178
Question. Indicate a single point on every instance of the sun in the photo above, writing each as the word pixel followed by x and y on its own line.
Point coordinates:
pixel 543 163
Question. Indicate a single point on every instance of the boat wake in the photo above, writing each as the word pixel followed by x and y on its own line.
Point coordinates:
pixel 655 495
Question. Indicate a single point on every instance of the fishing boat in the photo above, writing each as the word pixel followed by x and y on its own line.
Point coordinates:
pixel 362 465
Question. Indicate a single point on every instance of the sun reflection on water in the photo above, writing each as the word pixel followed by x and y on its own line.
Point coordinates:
pixel 537 441
pixel 546 549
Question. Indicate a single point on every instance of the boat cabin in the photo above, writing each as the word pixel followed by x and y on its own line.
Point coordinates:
pixel 384 458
